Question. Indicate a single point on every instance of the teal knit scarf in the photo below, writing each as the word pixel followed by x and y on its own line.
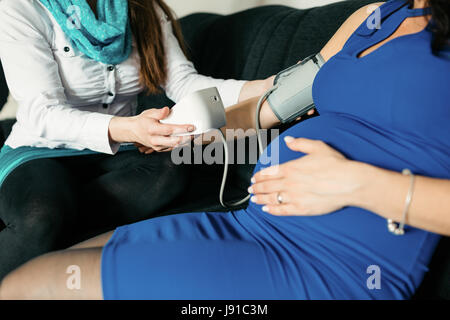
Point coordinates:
pixel 106 39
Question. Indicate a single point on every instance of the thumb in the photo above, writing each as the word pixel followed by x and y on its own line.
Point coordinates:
pixel 308 146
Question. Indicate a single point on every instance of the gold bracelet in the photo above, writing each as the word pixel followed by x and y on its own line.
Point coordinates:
pixel 399 228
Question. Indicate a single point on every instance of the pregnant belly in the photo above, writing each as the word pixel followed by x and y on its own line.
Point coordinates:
pixel 362 142
pixel 354 234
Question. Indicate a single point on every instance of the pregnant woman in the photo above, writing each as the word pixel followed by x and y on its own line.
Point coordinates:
pixel 322 220
pixel 76 67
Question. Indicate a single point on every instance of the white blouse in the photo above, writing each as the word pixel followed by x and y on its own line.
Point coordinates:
pixel 66 100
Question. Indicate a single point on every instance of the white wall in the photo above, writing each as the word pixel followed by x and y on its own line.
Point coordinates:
pixel 184 7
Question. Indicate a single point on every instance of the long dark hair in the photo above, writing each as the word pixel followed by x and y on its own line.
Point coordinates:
pixel 440 23
pixel 146 27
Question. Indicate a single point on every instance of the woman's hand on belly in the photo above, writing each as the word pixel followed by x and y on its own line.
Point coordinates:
pixel 148 133
pixel 321 182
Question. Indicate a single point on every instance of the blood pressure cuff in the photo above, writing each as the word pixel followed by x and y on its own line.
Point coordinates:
pixel 292 94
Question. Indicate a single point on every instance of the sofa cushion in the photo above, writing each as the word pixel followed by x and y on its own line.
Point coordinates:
pixel 259 42
pixel 436 284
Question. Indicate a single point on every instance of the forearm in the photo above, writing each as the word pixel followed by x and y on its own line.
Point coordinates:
pixel 243 116
pixel 384 192
pixel 120 130
pixel 256 88
pixel 241 121
pixel 65 126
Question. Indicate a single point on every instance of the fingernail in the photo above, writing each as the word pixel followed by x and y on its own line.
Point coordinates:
pixel 253 180
pixel 250 190
pixel 265 209
pixel 288 139
pixel 191 128
pixel 254 199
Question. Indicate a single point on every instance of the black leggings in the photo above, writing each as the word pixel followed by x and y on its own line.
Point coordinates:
pixel 49 204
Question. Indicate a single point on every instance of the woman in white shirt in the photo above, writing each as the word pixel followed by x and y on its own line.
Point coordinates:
pixel 77 86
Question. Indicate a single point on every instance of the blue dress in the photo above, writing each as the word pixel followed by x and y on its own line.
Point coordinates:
pixel 389 109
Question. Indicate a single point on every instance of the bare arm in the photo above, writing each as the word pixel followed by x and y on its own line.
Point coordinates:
pixel 430 207
pixel 339 39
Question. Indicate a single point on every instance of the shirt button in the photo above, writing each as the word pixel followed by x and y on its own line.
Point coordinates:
pixel 66 49
pixel 105 106
pixel 111 68
pixel 110 94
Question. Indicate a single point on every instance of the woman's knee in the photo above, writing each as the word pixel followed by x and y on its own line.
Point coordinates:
pixel 171 180
pixel 14 287
pixel 48 277
pixel 8 291
pixel 37 198
pixel 176 174
pixel 2 294
pixel 18 285
pixel 162 173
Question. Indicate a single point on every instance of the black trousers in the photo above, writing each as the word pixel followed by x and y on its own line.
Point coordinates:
pixel 3 88
pixel 50 204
